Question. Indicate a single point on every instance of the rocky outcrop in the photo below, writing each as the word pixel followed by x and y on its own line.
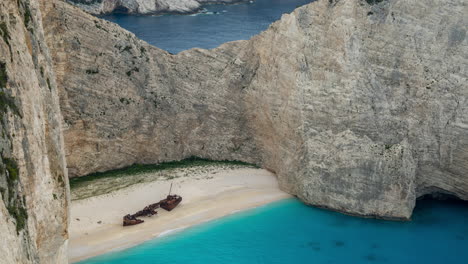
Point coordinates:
pixel 33 180
pixel 145 7
pixel 358 106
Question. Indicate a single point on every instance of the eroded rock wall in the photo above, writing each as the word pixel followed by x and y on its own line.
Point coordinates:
pixel 145 105
pixel 33 179
pixel 358 106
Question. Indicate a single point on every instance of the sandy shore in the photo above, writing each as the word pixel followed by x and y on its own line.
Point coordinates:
pixel 96 223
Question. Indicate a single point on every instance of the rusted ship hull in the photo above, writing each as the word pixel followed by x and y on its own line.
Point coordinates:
pixel 170 202
pixel 130 220
pixel 149 210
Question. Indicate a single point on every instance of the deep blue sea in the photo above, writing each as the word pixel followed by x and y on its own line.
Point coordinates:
pixel 289 232
pixel 217 25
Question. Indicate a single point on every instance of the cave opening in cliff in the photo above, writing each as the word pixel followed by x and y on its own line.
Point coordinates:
pixel 438 199
pixel 121 10
pixel 441 196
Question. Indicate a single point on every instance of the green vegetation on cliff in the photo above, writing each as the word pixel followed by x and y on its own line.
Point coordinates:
pixel 5 34
pixel 14 203
pixel 373 2
pixel 19 213
pixel 105 182
pixel 3 75
pixel 9 171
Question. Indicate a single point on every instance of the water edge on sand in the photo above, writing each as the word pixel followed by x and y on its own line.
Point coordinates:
pixel 288 231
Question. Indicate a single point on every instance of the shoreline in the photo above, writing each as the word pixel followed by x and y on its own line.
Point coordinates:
pixel 189 10
pixel 206 196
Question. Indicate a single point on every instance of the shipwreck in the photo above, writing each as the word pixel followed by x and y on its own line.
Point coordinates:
pixel 168 204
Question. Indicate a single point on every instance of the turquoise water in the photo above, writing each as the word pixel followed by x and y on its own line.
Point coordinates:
pixel 291 232
pixel 217 25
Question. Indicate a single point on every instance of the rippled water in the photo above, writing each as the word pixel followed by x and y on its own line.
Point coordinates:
pixel 291 232
pixel 219 24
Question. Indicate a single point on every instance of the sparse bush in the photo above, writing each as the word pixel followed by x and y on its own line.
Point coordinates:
pixel 3 75
pixel 373 2
pixel 92 71
pixel 146 168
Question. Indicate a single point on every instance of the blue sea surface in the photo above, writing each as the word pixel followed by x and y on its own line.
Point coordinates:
pixel 217 25
pixel 290 232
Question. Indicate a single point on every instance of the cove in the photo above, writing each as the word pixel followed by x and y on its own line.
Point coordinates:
pixel 290 232
pixel 214 26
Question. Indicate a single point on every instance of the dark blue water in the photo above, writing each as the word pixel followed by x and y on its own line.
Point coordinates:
pixel 220 24
pixel 291 232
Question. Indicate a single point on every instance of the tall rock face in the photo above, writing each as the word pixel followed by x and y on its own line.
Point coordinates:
pixel 380 92
pixel 33 179
pixel 127 102
pixel 358 106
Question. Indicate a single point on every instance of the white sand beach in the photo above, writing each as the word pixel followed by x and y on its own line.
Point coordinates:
pixel 96 222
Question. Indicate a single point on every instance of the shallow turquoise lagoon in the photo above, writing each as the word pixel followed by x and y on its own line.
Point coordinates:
pixel 291 232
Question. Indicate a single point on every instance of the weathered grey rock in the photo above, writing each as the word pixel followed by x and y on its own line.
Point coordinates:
pixel 357 107
pixel 145 7
pixel 33 179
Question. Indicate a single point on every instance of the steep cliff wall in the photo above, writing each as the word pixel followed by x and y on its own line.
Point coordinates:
pixel 145 7
pixel 145 106
pixel 33 179
pixel 380 94
pixel 358 106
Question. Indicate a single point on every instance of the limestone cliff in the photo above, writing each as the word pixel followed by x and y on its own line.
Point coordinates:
pixel 146 106
pixel 145 7
pixel 358 106
pixel 33 179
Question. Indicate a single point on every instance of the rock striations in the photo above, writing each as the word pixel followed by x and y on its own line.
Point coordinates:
pixel 358 106
pixel 33 179
pixel 145 7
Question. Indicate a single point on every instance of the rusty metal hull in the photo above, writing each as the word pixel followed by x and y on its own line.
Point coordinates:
pixel 130 220
pixel 170 202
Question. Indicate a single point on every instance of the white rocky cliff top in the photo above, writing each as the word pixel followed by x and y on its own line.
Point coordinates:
pixel 144 7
